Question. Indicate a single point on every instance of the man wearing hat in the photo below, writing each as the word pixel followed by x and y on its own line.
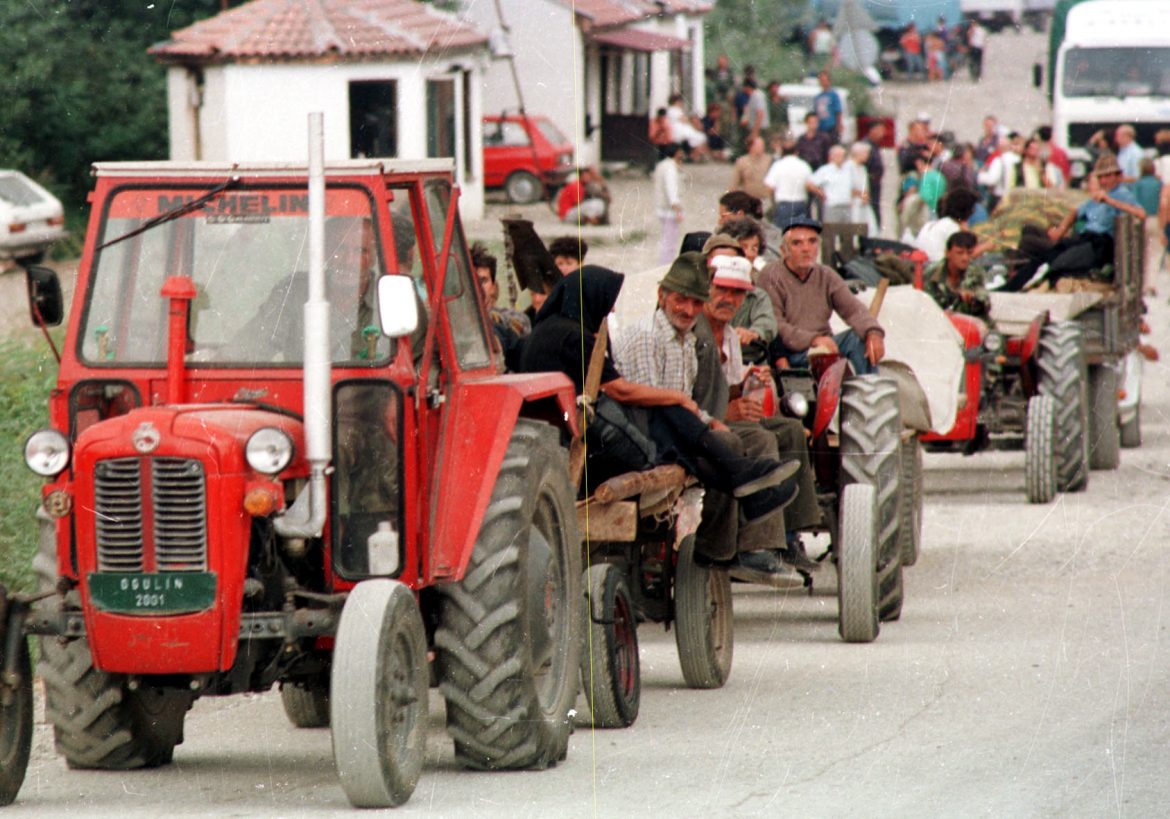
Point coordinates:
pixel 723 377
pixel 1098 215
pixel 805 294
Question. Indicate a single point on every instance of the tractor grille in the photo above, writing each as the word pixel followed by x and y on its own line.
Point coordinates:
pixel 178 531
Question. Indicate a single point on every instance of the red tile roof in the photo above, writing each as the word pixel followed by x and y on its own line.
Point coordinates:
pixel 313 29
pixel 605 13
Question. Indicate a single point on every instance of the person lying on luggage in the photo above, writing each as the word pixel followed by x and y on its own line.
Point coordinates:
pixel 562 340
pixel 954 282
pixel 1107 198
pixel 805 294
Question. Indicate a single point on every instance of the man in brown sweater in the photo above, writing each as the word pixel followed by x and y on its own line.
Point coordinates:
pixel 805 294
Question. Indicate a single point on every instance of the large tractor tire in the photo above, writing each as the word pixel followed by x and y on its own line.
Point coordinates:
pixel 871 453
pixel 379 685
pixel 98 721
pixel 703 620
pixel 910 527
pixel 610 672
pixel 1104 434
pixel 306 704
pixel 1064 376
pixel 857 579
pixel 510 632
pixel 16 715
pixel 1040 450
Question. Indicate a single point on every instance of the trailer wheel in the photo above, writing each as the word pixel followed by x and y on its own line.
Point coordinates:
pixel 379 684
pixel 306 704
pixel 610 671
pixel 1064 376
pixel 857 579
pixel 16 716
pixel 1040 450
pixel 871 453
pixel 910 526
pixel 703 620
pixel 1104 435
pixel 1131 430
pixel 509 636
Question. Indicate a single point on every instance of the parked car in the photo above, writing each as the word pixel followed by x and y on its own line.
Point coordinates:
pixel 527 156
pixel 31 218
pixel 800 98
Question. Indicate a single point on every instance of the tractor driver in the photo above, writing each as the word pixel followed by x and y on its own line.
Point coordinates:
pixel 805 294
pixel 954 282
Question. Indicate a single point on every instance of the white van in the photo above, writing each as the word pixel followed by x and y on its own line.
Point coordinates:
pixel 1113 67
pixel 800 98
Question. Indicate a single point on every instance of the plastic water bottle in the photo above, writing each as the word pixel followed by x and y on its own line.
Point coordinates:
pixel 382 550
pixel 759 389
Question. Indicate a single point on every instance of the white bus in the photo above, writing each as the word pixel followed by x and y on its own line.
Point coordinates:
pixel 1113 67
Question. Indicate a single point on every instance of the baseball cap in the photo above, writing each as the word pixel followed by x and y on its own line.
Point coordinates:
pixel 732 271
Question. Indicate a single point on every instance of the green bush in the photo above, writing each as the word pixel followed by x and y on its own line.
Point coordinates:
pixel 26 377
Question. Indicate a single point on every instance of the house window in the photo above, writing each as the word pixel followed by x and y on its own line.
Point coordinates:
pixel 373 118
pixel 440 118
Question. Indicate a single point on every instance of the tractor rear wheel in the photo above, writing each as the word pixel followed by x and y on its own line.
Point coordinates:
pixel 1104 435
pixel 1063 375
pixel 306 703
pixel 610 673
pixel 379 684
pixel 1040 450
pixel 871 453
pixel 910 526
pixel 509 636
pixel 857 579
pixel 703 620
pixel 16 716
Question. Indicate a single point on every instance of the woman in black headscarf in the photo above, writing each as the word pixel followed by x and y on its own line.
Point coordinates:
pixel 562 340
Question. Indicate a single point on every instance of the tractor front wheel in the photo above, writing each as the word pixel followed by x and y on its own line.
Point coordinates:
pixel 703 627
pixel 610 673
pixel 16 714
pixel 857 577
pixel 379 684
pixel 509 635
pixel 1040 450
pixel 306 703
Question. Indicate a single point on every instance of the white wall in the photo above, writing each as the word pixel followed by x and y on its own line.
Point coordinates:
pixel 259 113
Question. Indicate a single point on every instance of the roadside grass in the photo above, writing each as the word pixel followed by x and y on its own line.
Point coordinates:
pixel 27 375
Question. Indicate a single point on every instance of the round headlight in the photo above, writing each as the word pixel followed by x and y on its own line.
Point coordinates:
pixel 269 450
pixel 795 405
pixel 993 342
pixel 47 452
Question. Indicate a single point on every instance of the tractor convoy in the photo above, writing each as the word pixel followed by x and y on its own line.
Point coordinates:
pixel 267 465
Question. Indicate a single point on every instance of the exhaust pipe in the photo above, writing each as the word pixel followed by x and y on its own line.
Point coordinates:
pixel 306 517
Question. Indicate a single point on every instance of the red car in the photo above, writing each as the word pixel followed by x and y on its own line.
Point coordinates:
pixel 527 156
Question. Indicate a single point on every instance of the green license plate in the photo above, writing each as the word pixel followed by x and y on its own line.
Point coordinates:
pixel 159 593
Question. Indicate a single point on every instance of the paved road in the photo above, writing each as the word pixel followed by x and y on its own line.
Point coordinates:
pixel 1029 675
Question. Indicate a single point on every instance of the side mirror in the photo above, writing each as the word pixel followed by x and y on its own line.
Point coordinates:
pixel 44 296
pixel 397 305
pixel 1037 75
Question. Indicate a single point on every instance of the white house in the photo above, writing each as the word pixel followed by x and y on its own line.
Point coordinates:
pixel 394 78
pixel 597 68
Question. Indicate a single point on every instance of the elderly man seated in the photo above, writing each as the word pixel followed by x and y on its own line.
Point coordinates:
pixel 805 294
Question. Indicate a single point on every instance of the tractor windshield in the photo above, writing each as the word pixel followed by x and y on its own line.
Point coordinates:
pixel 247 251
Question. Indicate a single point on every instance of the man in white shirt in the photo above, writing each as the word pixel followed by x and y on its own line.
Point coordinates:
pixel 832 183
pixel 667 202
pixel 789 180
pixel 1129 153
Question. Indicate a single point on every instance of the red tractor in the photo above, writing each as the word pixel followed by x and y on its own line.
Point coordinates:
pixel 258 474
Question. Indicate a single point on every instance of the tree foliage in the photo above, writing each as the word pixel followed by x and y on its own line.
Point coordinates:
pixel 81 88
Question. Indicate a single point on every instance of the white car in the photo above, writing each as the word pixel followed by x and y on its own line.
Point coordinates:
pixel 31 218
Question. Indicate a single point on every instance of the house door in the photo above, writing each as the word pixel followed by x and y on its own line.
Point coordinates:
pixel 625 115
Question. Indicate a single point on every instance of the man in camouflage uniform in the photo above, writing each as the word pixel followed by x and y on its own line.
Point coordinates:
pixel 954 282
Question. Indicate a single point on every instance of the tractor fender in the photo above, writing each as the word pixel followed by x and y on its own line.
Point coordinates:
pixel 829 396
pixel 1028 347
pixel 476 429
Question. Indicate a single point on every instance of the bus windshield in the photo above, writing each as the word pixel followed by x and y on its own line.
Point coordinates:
pixel 1116 72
